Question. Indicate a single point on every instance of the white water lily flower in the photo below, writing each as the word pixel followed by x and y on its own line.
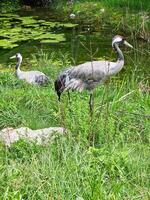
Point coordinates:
pixel 72 15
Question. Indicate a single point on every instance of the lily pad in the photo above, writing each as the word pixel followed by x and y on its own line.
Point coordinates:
pixel 69 25
pixel 27 20
pixel 49 41
pixel 50 24
pixel 8 15
pixel 17 29
pixel 7 44
pixel 49 36
pixel 31 25
pixel 58 24
pixel 44 36
pixel 3 19
pixel 41 21
pixel 10 32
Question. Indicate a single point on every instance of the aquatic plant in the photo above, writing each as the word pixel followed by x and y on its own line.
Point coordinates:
pixel 29 28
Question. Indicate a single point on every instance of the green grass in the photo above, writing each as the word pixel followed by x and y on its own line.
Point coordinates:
pixel 104 158
pixel 134 4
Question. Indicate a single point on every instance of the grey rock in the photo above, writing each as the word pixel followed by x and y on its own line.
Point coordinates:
pixel 41 136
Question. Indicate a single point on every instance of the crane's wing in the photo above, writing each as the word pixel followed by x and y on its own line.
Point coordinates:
pixel 94 71
pixel 88 75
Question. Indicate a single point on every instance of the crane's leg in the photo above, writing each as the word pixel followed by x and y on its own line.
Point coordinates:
pixel 91 135
pixel 69 96
pixel 91 103
pixel 58 94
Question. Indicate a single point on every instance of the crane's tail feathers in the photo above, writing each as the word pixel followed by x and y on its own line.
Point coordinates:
pixel 42 80
pixel 64 83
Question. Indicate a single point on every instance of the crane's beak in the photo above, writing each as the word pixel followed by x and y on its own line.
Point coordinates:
pixel 127 44
pixel 13 57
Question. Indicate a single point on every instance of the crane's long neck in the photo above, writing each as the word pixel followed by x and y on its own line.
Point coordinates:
pixel 114 69
pixel 119 52
pixel 18 66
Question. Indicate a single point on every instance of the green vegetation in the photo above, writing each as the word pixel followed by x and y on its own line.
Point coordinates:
pixel 135 5
pixel 116 15
pixel 13 5
pixel 106 157
pixel 119 4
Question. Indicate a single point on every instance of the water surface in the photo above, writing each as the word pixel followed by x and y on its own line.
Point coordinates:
pixel 81 42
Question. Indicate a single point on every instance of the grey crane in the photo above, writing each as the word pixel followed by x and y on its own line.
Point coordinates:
pixel 87 75
pixel 32 77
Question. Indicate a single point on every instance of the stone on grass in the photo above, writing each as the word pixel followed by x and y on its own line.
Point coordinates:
pixel 41 136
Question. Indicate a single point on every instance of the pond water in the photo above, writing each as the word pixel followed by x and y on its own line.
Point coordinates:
pixel 29 32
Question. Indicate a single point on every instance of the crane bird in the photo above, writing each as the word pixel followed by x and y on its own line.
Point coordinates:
pixel 87 75
pixel 32 77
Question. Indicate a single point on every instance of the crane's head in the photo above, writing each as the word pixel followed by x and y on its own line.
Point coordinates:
pixel 118 39
pixel 18 56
